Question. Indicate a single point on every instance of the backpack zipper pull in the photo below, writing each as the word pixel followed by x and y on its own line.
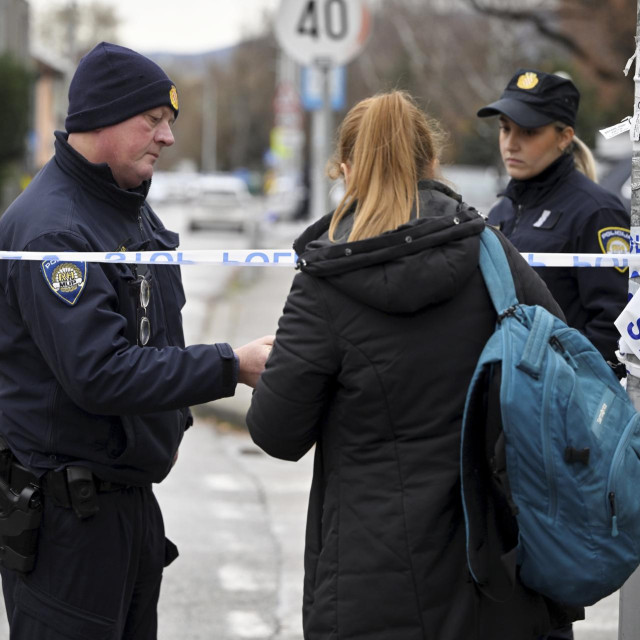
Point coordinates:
pixel 614 517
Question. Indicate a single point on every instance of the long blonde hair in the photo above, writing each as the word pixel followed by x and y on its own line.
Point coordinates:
pixel 389 144
pixel 582 156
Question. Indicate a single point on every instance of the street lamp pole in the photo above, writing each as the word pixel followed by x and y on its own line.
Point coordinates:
pixel 629 621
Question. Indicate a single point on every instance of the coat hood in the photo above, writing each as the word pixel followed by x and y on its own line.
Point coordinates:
pixel 420 263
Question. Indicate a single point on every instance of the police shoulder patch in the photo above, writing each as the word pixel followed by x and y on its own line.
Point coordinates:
pixel 65 279
pixel 615 240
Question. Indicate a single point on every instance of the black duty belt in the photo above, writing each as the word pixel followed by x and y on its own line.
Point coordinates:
pixel 76 488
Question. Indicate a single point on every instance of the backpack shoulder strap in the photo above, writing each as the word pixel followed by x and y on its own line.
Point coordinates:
pixel 496 272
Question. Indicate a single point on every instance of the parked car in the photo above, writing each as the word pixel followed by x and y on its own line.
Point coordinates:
pixel 285 197
pixel 221 201
pixel 171 187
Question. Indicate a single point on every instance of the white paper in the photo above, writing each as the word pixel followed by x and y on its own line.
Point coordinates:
pixel 617 129
pixel 628 325
pixel 627 67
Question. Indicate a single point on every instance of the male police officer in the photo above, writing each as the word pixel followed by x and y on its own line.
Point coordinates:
pixel 95 379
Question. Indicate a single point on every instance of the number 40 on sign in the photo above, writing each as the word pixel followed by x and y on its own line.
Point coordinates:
pixel 323 32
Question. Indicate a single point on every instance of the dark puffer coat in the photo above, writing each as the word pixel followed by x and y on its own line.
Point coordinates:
pixel 373 355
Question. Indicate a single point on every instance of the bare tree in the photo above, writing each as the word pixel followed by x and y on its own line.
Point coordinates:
pixel 242 84
pixel 71 30
pixel 453 55
pixel 451 58
pixel 600 35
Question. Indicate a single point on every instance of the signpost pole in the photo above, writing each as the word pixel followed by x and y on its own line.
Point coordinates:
pixel 320 139
pixel 209 117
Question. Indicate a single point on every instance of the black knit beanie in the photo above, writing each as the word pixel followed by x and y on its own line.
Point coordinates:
pixel 112 84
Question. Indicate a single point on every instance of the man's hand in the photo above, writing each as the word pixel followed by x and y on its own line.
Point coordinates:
pixel 252 357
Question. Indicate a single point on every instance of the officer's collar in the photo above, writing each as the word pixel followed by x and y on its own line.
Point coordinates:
pixel 97 177
pixel 528 192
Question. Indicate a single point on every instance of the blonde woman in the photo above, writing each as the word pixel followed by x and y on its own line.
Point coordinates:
pixel 553 205
pixel 377 343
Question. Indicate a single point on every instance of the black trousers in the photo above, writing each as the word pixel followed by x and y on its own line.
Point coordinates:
pixel 94 579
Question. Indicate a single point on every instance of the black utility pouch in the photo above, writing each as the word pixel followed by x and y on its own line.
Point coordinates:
pixel 82 492
pixel 20 516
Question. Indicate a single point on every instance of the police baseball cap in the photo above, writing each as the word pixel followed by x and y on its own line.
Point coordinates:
pixel 534 98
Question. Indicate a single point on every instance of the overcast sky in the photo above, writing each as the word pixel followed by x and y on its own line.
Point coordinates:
pixel 181 26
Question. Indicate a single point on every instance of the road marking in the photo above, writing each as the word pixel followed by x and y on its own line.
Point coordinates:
pixel 234 577
pixel 247 624
pixel 225 482
pixel 236 511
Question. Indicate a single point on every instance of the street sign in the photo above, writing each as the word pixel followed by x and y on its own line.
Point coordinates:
pixel 327 33
pixel 287 109
pixel 311 88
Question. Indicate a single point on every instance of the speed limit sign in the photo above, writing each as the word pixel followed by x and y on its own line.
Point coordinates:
pixel 323 32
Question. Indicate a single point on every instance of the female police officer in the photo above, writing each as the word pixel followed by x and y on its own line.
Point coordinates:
pixel 553 205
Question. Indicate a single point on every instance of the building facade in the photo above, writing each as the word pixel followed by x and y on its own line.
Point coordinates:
pixel 14 29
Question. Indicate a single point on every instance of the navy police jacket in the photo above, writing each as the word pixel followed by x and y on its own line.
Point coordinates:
pixel 562 211
pixel 75 385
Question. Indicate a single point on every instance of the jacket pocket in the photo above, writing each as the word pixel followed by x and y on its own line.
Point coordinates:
pixel 70 621
pixel 152 442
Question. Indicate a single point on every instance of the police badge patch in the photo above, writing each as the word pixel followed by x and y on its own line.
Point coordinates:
pixel 65 279
pixel 615 240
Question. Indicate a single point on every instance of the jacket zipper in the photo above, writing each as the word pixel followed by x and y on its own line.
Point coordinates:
pixel 518 216
pixel 140 223
pixel 170 340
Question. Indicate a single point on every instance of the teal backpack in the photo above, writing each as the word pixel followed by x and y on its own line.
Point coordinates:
pixel 550 456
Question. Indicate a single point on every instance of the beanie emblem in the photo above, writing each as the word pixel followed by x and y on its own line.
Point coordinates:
pixel 173 97
pixel 528 80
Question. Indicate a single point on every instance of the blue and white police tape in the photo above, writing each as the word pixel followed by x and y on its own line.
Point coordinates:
pixel 249 257
pixel 288 257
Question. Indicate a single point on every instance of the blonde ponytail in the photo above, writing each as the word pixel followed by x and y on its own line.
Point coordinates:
pixel 389 144
pixel 583 158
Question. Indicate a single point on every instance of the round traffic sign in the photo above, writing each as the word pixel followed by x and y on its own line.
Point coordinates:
pixel 323 32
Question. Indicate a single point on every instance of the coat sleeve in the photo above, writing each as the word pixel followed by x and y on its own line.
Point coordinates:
pixel 293 392
pixel 85 347
pixel 602 291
